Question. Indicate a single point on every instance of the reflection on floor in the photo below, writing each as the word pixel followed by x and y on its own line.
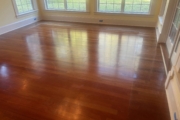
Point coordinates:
pixel 70 71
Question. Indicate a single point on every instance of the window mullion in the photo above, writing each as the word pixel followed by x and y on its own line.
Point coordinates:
pixel 132 8
pixel 32 3
pixel 106 5
pixel 122 5
pixel 46 4
pixel 141 6
pixel 113 5
pixel 97 6
pixel 65 4
pixel 58 4
pixel 22 5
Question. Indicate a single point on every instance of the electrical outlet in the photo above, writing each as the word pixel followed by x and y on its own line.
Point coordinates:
pixel 100 20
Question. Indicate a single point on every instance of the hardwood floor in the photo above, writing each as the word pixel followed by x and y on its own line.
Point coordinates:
pixel 71 71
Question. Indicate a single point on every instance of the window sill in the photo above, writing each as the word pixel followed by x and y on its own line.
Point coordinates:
pixel 27 13
pixel 67 11
pixel 128 14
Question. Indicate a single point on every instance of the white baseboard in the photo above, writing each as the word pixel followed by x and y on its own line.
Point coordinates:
pixel 95 20
pixel 17 25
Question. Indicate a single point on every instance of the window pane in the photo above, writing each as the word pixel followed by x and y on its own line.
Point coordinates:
pixel 173 33
pixel 146 2
pixel 55 4
pixel 102 7
pixel 175 25
pixel 83 6
pixel 145 8
pixel 117 8
pixel 24 6
pixel 137 2
pixel 128 8
pixel 177 18
pixel 76 5
pixel 110 6
pixel 137 6
pixel 72 5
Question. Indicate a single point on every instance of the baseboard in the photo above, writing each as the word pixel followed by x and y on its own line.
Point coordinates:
pixel 17 25
pixel 95 20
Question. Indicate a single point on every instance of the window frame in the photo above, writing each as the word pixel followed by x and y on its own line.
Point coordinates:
pixel 65 9
pixel 173 41
pixel 122 10
pixel 34 6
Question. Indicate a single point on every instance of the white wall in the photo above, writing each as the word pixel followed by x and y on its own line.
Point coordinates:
pixel 8 15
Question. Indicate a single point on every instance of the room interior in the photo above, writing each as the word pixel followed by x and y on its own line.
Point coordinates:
pixel 89 59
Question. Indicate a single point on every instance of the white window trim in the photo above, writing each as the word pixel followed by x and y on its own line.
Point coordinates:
pixel 34 5
pixel 66 10
pixel 125 13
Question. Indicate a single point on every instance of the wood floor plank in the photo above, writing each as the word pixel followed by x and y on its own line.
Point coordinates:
pixel 72 71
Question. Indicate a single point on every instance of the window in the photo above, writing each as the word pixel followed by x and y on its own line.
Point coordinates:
pixel 124 6
pixel 175 24
pixel 23 6
pixel 110 5
pixel 163 6
pixel 66 5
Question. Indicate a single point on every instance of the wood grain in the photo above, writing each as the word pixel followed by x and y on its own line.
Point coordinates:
pixel 71 71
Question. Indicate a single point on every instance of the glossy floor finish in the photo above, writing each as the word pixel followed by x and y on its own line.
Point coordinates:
pixel 71 71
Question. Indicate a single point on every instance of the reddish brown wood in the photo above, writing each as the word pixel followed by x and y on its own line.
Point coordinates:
pixel 70 71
